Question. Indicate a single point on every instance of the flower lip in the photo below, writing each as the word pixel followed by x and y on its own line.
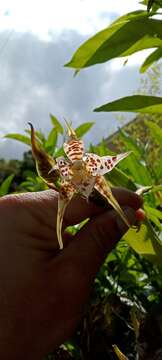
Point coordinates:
pixel 78 165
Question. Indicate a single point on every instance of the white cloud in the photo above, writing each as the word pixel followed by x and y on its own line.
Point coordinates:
pixel 34 82
pixel 48 19
pixel 40 17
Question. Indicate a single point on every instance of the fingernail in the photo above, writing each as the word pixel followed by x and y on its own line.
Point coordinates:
pixel 140 215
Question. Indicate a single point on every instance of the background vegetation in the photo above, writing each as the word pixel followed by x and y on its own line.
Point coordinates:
pixel 125 307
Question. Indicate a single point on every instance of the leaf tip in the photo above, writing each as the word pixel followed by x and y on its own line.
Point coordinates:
pixel 142 69
pixel 67 64
pixel 96 109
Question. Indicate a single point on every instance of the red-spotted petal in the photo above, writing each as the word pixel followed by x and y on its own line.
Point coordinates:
pixel 64 168
pixel 74 149
pixel 93 163
pixel 98 165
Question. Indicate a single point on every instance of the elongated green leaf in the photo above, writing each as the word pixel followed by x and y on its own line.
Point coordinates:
pixel 154 215
pixel 139 172
pixel 135 103
pixel 52 139
pixel 4 188
pixel 128 34
pixel 154 211
pixel 155 221
pixel 57 124
pixel 22 138
pixel 131 144
pixel 145 242
pixel 153 4
pixel 154 56
pixel 156 131
pixel 150 4
pixel 119 178
pixel 59 152
pixel 100 149
pixel 83 129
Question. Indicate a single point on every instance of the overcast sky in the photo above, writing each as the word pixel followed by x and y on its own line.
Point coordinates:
pixel 36 39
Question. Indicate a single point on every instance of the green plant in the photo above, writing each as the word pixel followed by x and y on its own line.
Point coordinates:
pixel 128 34
pixel 124 304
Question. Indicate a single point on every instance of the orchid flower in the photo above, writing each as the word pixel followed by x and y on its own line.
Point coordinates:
pixel 76 173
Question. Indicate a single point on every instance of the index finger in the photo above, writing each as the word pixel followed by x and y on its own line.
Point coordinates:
pixel 80 208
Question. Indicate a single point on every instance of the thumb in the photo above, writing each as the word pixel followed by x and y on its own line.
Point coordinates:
pixel 96 239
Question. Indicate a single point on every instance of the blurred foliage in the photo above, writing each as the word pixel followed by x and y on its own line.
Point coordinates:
pixel 125 307
pixel 142 129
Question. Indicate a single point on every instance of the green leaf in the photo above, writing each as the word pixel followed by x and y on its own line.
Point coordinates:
pixel 139 172
pixel 150 4
pixel 22 138
pixel 52 139
pixel 156 131
pixel 145 242
pixel 154 215
pixel 83 129
pixel 135 103
pixel 153 4
pixel 154 56
pixel 155 221
pixel 119 178
pixel 131 144
pixel 101 149
pixel 153 211
pixel 4 188
pixel 59 152
pixel 57 124
pixel 128 34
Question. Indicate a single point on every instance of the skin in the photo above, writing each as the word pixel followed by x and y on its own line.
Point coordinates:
pixel 43 291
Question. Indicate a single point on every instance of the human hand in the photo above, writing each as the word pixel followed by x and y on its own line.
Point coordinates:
pixel 42 290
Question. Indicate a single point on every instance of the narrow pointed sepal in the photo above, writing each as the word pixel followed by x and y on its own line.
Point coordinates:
pixel 104 189
pixel 71 132
pixel 119 354
pixel 62 203
pixel 65 195
pixel 44 163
